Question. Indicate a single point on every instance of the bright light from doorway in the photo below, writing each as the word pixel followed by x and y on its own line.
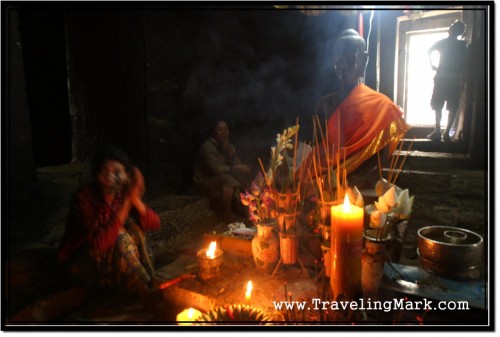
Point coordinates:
pixel 420 80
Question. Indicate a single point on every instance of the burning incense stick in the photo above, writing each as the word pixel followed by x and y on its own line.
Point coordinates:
pixel 404 159
pixel 302 159
pixel 262 168
pixel 344 183
pixel 394 162
pixel 337 174
pixel 318 181
pixel 296 203
pixel 379 166
pixel 295 152
pixel 317 147
pixel 326 145
pixel 319 187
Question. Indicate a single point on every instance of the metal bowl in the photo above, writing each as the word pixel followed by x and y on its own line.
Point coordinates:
pixel 449 251
pixel 470 273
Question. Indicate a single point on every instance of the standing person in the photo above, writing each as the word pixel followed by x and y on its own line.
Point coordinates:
pixel 448 78
pixel 104 243
pixel 359 120
pixel 220 175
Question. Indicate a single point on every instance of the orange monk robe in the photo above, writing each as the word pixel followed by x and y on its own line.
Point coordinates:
pixel 364 123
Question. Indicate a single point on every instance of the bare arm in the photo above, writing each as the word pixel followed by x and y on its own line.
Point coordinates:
pixel 137 191
pixel 433 49
pixel 148 218
pixel 132 198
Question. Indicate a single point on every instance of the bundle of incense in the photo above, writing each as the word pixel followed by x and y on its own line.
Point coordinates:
pixel 393 167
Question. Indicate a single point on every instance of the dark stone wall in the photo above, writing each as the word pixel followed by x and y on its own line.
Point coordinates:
pixel 17 139
pixel 44 59
pixel 260 70
pixel 106 79
pixel 149 79
pixel 385 26
pixel 477 107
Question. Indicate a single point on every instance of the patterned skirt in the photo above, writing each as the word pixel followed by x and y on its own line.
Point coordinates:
pixel 128 265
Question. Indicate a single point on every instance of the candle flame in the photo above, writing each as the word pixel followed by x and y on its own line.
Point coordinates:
pixel 347 204
pixel 187 316
pixel 248 294
pixel 211 250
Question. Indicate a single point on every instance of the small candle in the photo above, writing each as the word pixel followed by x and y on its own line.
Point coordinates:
pixel 210 261
pixel 248 293
pixel 346 248
pixel 187 316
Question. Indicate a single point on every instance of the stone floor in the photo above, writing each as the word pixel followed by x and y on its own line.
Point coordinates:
pixel 35 290
pixel 36 293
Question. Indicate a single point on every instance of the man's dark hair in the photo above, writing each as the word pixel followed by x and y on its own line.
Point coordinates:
pixel 457 28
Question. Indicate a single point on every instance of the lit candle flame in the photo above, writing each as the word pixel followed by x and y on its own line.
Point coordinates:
pixel 248 294
pixel 347 204
pixel 211 250
pixel 187 316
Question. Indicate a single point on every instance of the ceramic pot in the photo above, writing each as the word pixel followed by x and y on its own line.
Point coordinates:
pixel 265 245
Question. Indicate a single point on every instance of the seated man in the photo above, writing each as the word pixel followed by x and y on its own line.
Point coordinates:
pixel 360 120
pixel 220 175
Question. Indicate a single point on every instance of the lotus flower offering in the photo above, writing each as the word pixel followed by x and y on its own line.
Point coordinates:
pixel 236 313
pixel 355 197
pixel 390 208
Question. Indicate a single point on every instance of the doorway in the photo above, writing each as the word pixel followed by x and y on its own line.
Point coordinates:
pixel 414 76
pixel 419 86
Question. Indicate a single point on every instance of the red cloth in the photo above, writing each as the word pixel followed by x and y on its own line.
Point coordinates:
pixel 91 220
pixel 363 115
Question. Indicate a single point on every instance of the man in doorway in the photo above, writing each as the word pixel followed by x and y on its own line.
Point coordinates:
pixel 448 78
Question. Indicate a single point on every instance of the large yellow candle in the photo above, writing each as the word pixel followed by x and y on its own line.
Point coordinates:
pixel 346 249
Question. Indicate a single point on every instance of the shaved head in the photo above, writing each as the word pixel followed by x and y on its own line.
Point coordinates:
pixel 350 56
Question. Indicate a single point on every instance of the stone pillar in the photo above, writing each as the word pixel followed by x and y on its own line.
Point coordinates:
pixel 476 105
pixel 106 79
pixel 44 58
pixel 19 157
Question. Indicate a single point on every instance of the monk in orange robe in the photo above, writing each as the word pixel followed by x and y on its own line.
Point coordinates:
pixel 360 121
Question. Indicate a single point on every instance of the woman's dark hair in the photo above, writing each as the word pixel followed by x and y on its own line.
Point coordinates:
pixel 110 153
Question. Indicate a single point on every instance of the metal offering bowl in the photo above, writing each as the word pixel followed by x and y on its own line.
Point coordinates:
pixel 449 251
